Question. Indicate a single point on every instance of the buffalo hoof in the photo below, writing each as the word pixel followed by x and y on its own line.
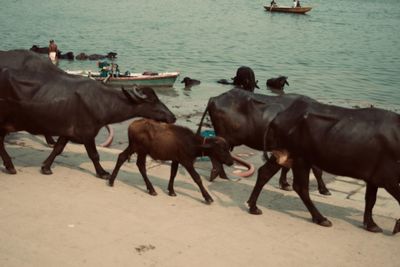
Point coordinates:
pixel 373 228
pixel 46 171
pixel 396 228
pixel 110 182
pixel 172 193
pixel 152 193
pixel 213 175
pixel 223 176
pixel 209 200
pixel 323 222
pixel 324 191
pixel 11 170
pixel 285 187
pixel 255 211
pixel 105 175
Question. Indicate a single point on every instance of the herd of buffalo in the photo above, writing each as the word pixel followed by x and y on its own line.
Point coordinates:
pixel 71 56
pixel 298 132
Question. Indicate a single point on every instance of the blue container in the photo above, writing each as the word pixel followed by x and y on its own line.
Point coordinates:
pixel 206 134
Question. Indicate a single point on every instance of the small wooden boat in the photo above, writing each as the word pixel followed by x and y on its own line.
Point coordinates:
pixel 288 9
pixel 164 79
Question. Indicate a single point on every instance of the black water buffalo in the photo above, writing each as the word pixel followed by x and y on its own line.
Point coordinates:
pixel 244 79
pixel 110 55
pixel 242 117
pixel 82 56
pixel 277 83
pixel 40 50
pixel 68 55
pixel 358 143
pixel 189 82
pixel 164 141
pixel 45 50
pixel 40 98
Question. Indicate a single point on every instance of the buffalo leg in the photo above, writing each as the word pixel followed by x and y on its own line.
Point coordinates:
pixel 394 189
pixel 122 157
pixel 370 199
pixel 196 178
pixel 217 169
pixel 49 140
pixel 94 156
pixel 5 157
pixel 57 150
pixel 265 173
pixel 141 164
pixel 174 169
pixel 283 183
pixel 321 185
pixel 301 172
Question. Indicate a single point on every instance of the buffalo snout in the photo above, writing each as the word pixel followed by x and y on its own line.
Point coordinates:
pixel 228 160
pixel 171 119
pixel 222 151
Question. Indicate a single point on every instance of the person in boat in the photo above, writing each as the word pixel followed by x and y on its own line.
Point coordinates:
pixel 104 67
pixel 296 3
pixel 273 3
pixel 53 51
pixel 115 70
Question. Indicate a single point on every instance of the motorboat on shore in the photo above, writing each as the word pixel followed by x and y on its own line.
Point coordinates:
pixel 288 9
pixel 109 74
pixel 163 79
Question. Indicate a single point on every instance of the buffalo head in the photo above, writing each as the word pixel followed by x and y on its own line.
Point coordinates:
pixel 190 82
pixel 277 83
pixel 218 149
pixel 148 105
pixel 111 55
pixel 245 79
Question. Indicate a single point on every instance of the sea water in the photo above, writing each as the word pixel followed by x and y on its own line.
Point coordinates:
pixel 344 52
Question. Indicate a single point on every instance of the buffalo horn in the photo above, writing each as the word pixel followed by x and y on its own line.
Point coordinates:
pixel 138 94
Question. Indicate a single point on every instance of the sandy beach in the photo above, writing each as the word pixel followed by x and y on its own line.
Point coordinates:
pixel 71 218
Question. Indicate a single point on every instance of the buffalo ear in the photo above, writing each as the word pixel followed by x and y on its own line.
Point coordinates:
pixel 127 94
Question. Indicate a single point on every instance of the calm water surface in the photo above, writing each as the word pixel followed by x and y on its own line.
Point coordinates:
pixel 345 52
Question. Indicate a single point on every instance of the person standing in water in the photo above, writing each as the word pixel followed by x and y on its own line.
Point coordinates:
pixel 53 49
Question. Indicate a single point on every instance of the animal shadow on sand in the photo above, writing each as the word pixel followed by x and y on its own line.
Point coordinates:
pixel 38 152
pixel 135 179
pixel 235 194
pixel 286 202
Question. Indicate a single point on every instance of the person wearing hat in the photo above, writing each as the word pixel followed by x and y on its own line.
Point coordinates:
pixel 53 51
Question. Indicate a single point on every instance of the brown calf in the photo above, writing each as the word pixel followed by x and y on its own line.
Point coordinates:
pixel 164 141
